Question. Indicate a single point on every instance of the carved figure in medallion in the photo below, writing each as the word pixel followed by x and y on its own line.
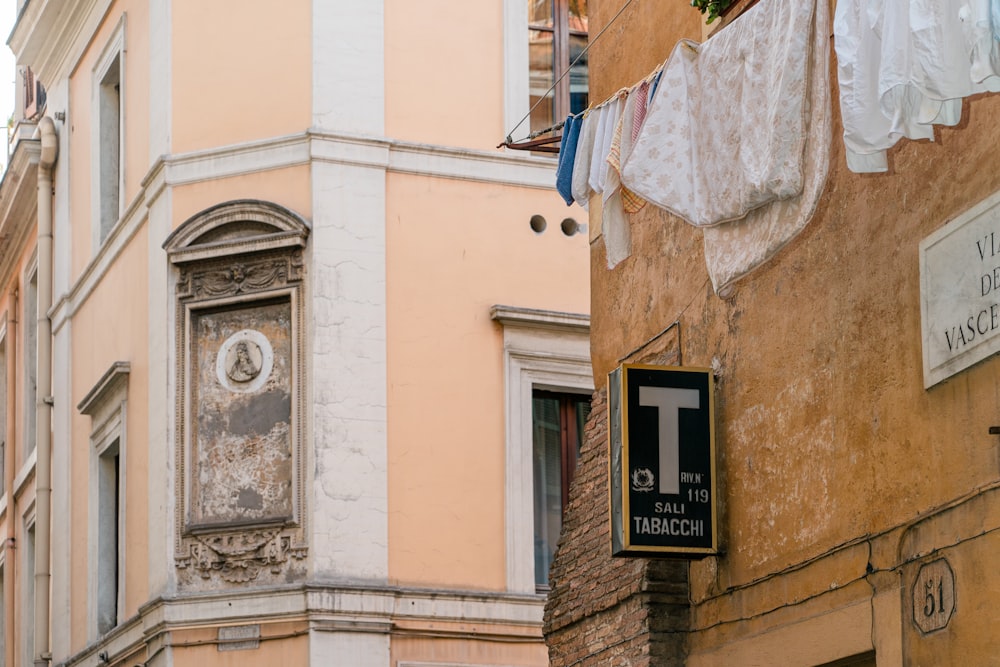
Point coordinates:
pixel 243 361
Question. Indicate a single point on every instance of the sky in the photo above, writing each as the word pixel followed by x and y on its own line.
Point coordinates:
pixel 7 71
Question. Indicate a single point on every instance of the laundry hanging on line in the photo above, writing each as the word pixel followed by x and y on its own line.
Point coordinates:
pixel 906 65
pixel 750 173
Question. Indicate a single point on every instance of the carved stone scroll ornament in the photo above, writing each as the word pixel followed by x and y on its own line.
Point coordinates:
pixel 240 277
pixel 240 557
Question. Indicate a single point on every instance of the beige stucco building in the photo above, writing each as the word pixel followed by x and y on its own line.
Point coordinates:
pixel 272 324
pixel 856 400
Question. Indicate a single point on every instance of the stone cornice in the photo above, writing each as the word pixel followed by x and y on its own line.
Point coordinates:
pixel 51 34
pixel 331 608
pixel 541 319
pixel 18 201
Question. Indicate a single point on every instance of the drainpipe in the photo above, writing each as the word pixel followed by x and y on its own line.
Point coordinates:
pixel 43 405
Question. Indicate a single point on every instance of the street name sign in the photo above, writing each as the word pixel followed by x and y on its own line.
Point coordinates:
pixel 662 437
pixel 960 292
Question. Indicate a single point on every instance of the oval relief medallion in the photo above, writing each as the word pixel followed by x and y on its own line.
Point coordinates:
pixel 245 361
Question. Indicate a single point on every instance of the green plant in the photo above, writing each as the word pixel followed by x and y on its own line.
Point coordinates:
pixel 713 8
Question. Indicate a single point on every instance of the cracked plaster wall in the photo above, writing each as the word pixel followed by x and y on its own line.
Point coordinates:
pixel 348 374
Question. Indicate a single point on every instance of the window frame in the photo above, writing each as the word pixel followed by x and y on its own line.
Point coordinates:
pixel 27 582
pixel 29 362
pixel 545 350
pixel 107 406
pixel 516 32
pixel 570 434
pixel 113 51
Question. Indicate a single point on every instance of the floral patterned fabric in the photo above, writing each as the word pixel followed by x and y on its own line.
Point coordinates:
pixel 734 249
pixel 725 131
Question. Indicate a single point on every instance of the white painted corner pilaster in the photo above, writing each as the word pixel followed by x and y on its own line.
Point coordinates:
pixel 161 400
pixel 348 39
pixel 62 463
pixel 347 372
pixel 160 100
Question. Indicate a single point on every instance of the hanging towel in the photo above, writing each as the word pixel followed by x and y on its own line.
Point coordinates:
pixel 632 202
pixel 567 157
pixel 600 153
pixel 581 164
pixel 995 18
pixel 734 249
pixel 727 126
pixel 614 223
pixel 602 145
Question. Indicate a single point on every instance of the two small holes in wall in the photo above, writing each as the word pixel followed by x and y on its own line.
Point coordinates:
pixel 569 226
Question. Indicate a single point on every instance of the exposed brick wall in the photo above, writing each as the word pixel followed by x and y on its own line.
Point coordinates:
pixel 603 610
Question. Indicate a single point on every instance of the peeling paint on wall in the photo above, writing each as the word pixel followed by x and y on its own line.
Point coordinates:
pixel 242 453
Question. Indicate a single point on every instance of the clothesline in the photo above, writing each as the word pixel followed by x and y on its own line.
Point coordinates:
pixel 509 140
pixel 746 171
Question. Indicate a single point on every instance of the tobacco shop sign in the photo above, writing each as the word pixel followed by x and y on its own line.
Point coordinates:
pixel 662 434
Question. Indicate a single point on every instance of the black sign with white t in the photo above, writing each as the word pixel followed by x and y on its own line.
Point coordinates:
pixel 662 431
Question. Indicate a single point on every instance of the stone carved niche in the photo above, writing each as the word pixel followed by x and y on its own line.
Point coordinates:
pixel 240 459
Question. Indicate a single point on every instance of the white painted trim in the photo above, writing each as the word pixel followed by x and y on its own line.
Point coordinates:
pixel 161 399
pixel 350 611
pixel 28 416
pixel 52 35
pixel 515 65
pixel 546 350
pixel 160 35
pixel 114 48
pixel 290 151
pixel 372 603
pixel 62 500
pixel 237 159
pixel 26 471
pixel 357 150
pixel 348 66
pixel 107 405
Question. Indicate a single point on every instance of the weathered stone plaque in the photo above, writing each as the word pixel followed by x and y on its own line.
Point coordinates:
pixel 242 446
pixel 229 637
pixel 960 292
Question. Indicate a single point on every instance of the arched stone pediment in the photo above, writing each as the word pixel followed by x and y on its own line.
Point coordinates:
pixel 236 227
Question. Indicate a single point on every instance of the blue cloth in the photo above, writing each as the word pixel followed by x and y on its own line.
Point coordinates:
pixel 995 18
pixel 655 84
pixel 567 155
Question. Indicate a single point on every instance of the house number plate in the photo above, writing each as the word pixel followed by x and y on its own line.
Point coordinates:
pixel 933 596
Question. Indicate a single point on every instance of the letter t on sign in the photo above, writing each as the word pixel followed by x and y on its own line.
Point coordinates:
pixel 668 401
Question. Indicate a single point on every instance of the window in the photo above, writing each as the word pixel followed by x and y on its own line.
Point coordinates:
pixel 108 533
pixel 110 110
pixel 546 357
pixel 108 136
pixel 557 34
pixel 557 420
pixel 541 39
pixel 30 328
pixel 106 405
